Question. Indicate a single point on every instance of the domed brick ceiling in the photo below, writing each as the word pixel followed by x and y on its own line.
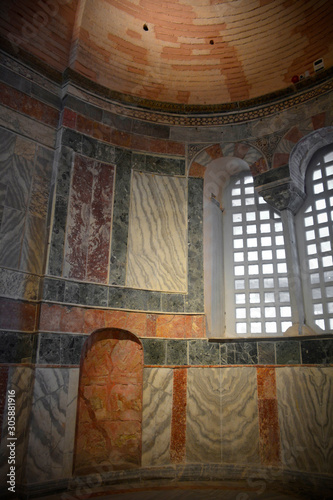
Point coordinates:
pixel 177 51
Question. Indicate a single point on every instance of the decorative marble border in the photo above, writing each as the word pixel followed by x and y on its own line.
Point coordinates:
pixel 64 349
pixel 116 295
pixel 17 347
pixel 201 352
pixel 58 290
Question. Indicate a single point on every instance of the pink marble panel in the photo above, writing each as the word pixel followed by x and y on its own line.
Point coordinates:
pixel 89 221
pixel 100 223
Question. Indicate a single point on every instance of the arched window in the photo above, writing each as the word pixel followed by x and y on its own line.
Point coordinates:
pixel 314 223
pixel 257 299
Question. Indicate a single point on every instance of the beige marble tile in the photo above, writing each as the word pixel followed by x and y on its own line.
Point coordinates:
pixel 157 239
pixel 156 416
pixel 305 405
pixel 203 432
pixel 240 424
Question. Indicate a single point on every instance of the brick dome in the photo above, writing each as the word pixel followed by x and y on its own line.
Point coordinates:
pixel 200 52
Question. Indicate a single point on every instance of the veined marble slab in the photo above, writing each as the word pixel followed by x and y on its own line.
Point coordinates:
pixel 157 241
pixel 52 428
pixel 240 420
pixel 156 416
pixel 222 416
pixel 203 431
pixel 305 405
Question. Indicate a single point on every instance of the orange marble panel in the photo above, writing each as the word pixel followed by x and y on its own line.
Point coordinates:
pixel 137 323
pixel 197 170
pixel 18 315
pixel 120 138
pixel 294 134
pixel 266 383
pixel 124 399
pixel 188 326
pixel 214 151
pixel 157 146
pixel 110 405
pixel 93 320
pixel 198 327
pixel 116 319
pixel 269 431
pixel 176 148
pixel 84 125
pixel 98 363
pixel 72 319
pixel 178 422
pixel 319 121
pixel 151 325
pixel 170 326
pixel 69 118
pixel 101 132
pixel 139 142
pixel 50 317
pixel 96 398
pixel 280 159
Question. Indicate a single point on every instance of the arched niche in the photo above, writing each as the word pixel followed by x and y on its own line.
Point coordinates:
pixel 109 412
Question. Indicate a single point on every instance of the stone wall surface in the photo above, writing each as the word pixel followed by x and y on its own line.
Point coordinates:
pixel 67 229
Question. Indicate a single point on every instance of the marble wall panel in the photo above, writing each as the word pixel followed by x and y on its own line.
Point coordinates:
pixel 64 160
pixel 11 237
pixel 52 425
pixel 239 409
pixel 203 431
pixel 27 126
pixel 89 221
pixel 157 249
pixel 120 218
pixel 26 170
pixel 16 285
pixel 305 406
pixel 20 379
pixel 156 416
pixel 110 406
pixel 194 301
pixel 178 425
pixel 33 245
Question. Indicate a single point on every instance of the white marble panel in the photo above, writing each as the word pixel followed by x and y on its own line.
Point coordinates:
pixel 305 404
pixel 52 427
pixel 203 427
pixel 157 239
pixel 240 421
pixel 156 416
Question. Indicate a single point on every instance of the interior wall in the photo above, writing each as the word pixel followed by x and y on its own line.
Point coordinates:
pixel 54 296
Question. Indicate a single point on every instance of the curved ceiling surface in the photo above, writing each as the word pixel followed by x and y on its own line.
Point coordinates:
pixel 178 51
